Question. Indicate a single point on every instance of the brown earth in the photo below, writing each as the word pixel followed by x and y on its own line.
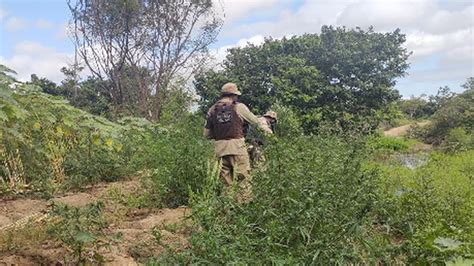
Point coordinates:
pixel 24 260
pixel 138 227
pixel 403 130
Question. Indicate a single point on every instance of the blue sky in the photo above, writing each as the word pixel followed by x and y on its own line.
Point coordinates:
pixel 33 35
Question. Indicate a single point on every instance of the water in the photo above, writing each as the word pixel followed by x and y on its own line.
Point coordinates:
pixel 413 160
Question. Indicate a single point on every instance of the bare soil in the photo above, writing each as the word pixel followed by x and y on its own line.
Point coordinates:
pixel 138 227
pixel 403 130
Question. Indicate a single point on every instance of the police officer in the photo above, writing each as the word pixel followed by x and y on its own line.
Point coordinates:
pixel 225 125
pixel 255 140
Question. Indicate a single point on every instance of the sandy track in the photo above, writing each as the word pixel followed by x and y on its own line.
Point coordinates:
pixel 136 227
pixel 403 130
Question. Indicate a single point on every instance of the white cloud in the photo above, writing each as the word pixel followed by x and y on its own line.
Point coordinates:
pixel 434 29
pixel 44 24
pixel 436 74
pixel 308 18
pixel 236 9
pixel 444 21
pixel 15 24
pixel 62 33
pixel 425 15
pixel 34 58
pixel 3 14
pixel 385 15
pixel 426 44
pixel 18 23
pixel 256 40
pixel 429 27
pixel 460 56
pixel 220 53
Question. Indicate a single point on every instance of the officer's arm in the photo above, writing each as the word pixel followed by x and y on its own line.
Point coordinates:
pixel 263 123
pixel 248 116
pixel 207 128
pixel 207 133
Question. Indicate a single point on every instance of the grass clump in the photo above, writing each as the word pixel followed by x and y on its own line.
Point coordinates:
pixel 430 208
pixel 319 200
pixel 80 229
pixel 176 158
pixel 311 205
pixel 389 144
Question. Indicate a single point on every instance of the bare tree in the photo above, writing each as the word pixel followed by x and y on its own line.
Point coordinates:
pixel 141 45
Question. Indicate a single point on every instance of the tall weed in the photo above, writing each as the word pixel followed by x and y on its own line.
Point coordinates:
pixel 431 207
pixel 176 156
pixel 312 204
pixel 64 146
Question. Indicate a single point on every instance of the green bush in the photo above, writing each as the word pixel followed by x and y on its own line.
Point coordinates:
pixel 429 209
pixel 455 112
pixel 311 205
pixel 458 139
pixel 176 155
pixel 47 145
pixel 288 122
pixel 318 200
pixel 79 229
pixel 377 142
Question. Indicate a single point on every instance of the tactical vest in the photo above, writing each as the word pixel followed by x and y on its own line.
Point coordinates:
pixel 224 122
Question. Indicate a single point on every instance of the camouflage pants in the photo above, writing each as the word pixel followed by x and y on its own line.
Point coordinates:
pixel 238 167
pixel 256 155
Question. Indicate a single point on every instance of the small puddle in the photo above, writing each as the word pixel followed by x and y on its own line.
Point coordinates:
pixel 413 160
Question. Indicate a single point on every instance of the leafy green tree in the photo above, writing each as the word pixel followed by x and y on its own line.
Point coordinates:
pixel 416 107
pixel 6 75
pixel 90 95
pixel 46 85
pixel 469 84
pixel 177 103
pixel 443 96
pixel 342 75
pixel 10 110
pixel 424 107
pixel 456 111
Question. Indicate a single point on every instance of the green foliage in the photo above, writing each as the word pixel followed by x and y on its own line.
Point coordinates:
pixel 430 208
pixel 89 95
pixel 392 116
pixel 80 229
pixel 66 148
pixel 342 76
pixel 458 139
pixel 455 112
pixel 176 103
pixel 47 86
pixel 416 108
pixel 93 95
pixel 319 201
pixel 50 145
pixel 176 156
pixel 311 205
pixel 288 122
pixel 425 107
pixel 378 142
pixel 5 75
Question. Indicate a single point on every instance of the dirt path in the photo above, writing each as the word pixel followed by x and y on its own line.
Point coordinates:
pixel 134 225
pixel 402 130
